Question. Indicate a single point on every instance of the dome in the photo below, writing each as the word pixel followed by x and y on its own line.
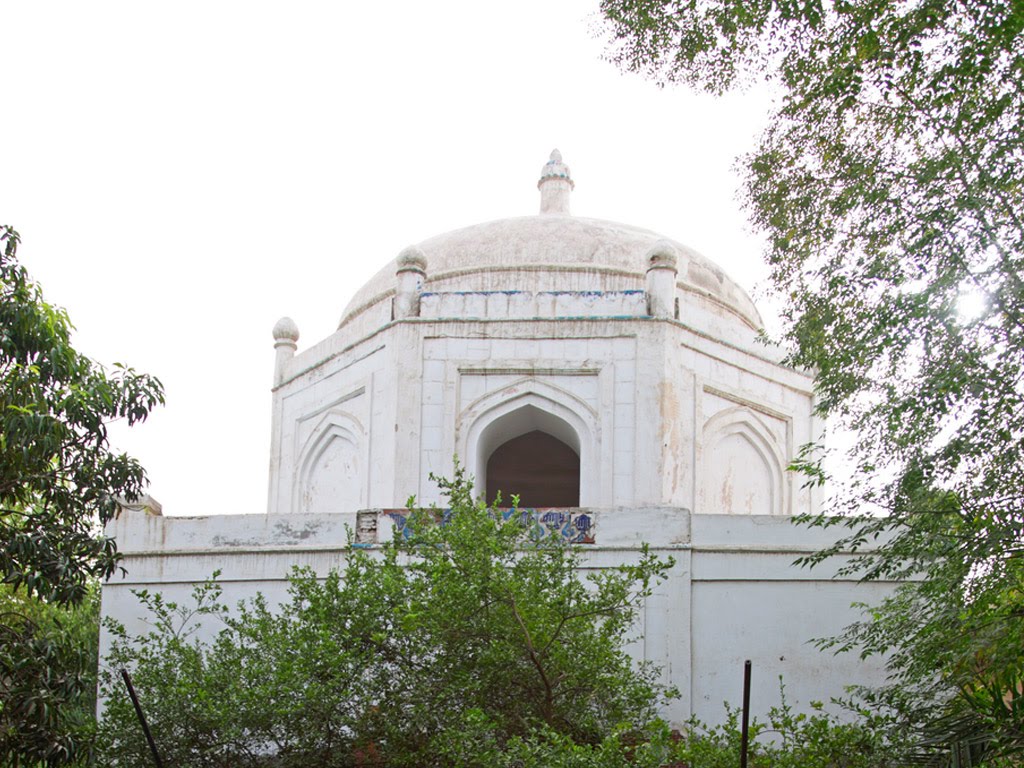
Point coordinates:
pixel 555 251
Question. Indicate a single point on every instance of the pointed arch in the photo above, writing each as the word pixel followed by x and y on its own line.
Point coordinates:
pixel 526 406
pixel 742 466
pixel 332 467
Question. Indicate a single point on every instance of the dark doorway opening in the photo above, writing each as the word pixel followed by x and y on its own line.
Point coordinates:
pixel 541 469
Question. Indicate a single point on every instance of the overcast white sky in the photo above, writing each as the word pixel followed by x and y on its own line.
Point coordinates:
pixel 183 174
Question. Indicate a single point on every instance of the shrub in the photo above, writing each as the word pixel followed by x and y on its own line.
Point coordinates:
pixel 468 643
pixel 789 739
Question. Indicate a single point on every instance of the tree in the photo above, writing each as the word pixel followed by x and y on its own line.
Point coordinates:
pixel 467 644
pixel 59 483
pixel 890 185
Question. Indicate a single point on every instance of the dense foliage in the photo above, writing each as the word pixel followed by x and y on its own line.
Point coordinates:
pixel 890 185
pixel 461 645
pixel 49 654
pixel 788 739
pixel 59 481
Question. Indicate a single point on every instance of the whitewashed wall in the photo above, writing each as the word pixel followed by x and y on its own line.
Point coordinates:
pixel 660 413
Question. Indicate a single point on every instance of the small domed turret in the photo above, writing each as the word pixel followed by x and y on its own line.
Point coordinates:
pixel 411 272
pixel 286 330
pixel 286 334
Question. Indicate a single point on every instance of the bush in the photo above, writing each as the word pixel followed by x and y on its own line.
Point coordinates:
pixel 469 643
pixel 788 739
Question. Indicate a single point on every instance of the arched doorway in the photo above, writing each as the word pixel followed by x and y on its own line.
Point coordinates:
pixel 533 453
pixel 538 467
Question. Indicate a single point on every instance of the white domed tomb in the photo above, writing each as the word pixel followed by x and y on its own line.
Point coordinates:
pixel 612 379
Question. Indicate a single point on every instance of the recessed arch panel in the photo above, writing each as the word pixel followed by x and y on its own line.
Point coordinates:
pixel 742 468
pixel 332 471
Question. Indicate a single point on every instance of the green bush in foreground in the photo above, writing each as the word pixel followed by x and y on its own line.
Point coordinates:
pixel 469 644
pixel 787 739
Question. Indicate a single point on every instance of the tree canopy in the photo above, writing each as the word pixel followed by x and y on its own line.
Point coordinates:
pixel 59 483
pixel 890 186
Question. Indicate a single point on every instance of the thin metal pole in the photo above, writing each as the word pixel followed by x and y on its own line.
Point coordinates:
pixel 142 718
pixel 744 734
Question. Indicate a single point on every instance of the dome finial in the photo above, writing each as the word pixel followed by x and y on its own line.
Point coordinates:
pixel 286 334
pixel 286 331
pixel 555 185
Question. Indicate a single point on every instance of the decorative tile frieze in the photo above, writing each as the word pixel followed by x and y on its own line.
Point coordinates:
pixel 571 527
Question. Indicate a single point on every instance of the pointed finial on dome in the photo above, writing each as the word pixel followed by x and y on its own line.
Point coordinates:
pixel 555 185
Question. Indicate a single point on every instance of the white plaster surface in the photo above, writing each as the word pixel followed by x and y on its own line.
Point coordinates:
pixel 666 416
